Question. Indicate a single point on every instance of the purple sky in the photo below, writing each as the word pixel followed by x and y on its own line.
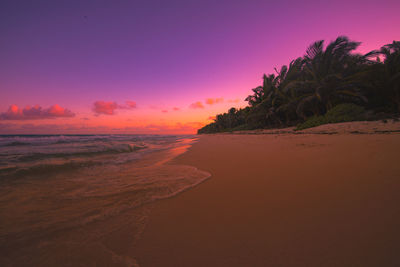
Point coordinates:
pixel 165 54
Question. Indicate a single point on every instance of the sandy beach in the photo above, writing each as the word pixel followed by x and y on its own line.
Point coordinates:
pixel 284 199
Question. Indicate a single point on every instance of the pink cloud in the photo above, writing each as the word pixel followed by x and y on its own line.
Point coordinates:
pixel 108 108
pixel 175 108
pixel 197 104
pixel 234 100
pixel 102 107
pixel 164 111
pixel 35 113
pixel 130 104
pixel 212 101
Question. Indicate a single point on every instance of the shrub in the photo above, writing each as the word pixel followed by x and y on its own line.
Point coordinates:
pixel 241 128
pixel 311 122
pixel 345 112
pixel 340 113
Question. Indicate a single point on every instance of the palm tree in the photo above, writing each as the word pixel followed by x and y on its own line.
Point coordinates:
pixel 391 72
pixel 382 78
pixel 285 98
pixel 255 98
pixel 327 76
pixel 263 91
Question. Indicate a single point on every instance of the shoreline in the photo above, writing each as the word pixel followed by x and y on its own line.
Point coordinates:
pixel 282 200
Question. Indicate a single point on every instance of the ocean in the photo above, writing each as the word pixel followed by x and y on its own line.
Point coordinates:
pixel 83 200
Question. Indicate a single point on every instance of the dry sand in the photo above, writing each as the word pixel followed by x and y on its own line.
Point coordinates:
pixel 283 200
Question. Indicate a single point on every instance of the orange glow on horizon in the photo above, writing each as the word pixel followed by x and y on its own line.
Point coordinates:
pixel 110 117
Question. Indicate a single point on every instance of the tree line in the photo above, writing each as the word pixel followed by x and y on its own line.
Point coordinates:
pixel 330 79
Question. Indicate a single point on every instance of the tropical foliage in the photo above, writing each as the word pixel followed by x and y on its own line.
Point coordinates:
pixel 312 85
pixel 340 113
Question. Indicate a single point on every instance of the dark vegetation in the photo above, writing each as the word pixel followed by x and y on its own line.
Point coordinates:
pixel 327 85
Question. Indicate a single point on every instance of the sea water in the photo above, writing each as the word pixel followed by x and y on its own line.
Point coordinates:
pixel 83 200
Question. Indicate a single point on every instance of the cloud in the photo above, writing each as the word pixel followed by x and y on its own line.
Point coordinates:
pixel 102 107
pixel 35 113
pixel 164 111
pixel 130 104
pixel 197 104
pixel 237 100
pixel 211 118
pixel 108 108
pixel 212 101
pixel 175 109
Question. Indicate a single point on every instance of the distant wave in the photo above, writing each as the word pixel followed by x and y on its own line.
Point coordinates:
pixel 16 143
pixel 40 169
pixel 45 140
pixel 120 148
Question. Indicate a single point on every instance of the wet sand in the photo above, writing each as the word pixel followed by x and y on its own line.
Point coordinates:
pixel 282 200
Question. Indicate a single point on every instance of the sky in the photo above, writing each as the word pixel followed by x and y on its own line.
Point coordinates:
pixel 159 67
